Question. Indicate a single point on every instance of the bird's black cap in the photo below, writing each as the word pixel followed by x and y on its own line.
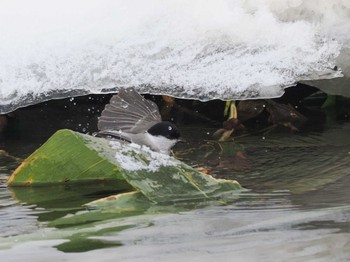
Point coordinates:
pixel 166 129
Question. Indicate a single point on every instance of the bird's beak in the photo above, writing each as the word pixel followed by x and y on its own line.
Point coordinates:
pixel 181 140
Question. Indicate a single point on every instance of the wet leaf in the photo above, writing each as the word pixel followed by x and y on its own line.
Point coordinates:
pixel 71 158
pixel 67 158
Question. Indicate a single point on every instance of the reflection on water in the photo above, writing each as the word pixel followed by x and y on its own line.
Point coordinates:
pixel 299 163
pixel 16 219
pixel 260 227
pixel 296 209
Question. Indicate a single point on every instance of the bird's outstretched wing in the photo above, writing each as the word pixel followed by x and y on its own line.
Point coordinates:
pixel 129 112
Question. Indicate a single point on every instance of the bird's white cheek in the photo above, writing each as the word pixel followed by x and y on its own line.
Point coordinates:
pixel 162 144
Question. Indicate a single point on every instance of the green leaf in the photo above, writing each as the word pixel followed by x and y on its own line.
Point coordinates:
pixel 67 158
pixel 72 158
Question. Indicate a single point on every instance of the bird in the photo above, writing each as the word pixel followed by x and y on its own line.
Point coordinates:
pixel 131 117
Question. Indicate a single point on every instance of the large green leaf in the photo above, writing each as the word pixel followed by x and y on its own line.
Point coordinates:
pixel 162 178
pixel 176 183
pixel 69 157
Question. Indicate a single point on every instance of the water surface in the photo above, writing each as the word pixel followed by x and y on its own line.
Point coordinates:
pixel 296 207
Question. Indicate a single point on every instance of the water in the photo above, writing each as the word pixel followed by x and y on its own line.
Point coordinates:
pixel 200 49
pixel 296 209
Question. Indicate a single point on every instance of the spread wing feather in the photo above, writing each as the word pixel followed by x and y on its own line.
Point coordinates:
pixel 129 112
